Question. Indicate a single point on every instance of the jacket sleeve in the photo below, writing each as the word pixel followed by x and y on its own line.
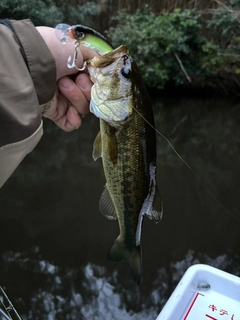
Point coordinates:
pixel 27 82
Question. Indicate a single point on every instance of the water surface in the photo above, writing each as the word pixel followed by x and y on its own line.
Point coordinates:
pixel 54 240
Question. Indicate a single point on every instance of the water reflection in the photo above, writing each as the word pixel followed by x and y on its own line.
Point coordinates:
pixel 54 240
pixel 91 292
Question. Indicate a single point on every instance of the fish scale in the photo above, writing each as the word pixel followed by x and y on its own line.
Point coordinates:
pixel 130 178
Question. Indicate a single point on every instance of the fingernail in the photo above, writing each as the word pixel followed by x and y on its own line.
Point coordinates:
pixel 66 83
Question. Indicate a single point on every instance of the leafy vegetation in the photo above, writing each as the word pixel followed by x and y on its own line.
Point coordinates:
pixel 225 24
pixel 47 13
pixel 41 12
pixel 80 14
pixel 164 45
pixel 171 48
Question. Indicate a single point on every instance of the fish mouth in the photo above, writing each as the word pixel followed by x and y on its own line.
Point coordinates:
pixel 109 58
pixel 106 63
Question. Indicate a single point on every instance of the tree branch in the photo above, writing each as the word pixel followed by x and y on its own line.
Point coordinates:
pixel 182 67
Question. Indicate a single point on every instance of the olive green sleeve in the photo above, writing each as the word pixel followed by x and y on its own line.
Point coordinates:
pixel 27 81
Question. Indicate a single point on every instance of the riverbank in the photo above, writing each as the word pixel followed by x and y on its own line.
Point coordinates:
pixel 224 85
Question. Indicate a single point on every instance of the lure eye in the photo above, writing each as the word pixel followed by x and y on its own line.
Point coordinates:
pixel 78 33
pixel 126 71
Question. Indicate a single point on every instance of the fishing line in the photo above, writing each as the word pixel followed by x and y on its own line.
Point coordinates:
pixel 188 166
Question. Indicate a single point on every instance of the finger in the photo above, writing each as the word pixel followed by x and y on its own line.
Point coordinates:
pixel 62 113
pixel 85 84
pixel 69 121
pixel 74 94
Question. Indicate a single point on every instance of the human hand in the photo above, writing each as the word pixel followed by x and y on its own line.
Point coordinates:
pixel 71 99
pixel 70 102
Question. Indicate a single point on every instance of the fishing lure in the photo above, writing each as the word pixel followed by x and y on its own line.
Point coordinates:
pixel 82 35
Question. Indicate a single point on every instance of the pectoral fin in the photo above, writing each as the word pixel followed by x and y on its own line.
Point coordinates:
pixel 156 211
pixel 97 147
pixel 106 205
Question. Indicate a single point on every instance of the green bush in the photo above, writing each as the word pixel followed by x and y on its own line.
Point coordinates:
pixel 41 12
pixel 171 48
pixel 80 14
pixel 164 46
pixel 225 23
pixel 225 32
pixel 46 13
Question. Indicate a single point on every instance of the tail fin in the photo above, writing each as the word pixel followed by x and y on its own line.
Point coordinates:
pixel 132 257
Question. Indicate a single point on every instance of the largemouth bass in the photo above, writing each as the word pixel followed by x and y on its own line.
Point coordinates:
pixel 127 144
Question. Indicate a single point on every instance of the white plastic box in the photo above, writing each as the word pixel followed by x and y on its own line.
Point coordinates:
pixel 204 293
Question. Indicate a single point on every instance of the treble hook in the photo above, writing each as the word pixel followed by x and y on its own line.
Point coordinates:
pixel 74 62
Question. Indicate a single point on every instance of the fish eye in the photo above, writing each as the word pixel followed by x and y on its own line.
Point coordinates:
pixel 126 71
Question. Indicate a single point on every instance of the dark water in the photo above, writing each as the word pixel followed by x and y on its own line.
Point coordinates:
pixel 54 240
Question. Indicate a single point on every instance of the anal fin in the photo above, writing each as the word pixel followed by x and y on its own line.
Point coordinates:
pixel 106 205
